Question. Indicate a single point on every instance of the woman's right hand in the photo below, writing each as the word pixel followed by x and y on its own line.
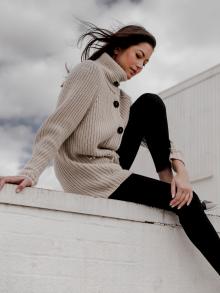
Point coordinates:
pixel 21 181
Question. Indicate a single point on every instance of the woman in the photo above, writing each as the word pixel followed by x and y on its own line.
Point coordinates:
pixel 95 132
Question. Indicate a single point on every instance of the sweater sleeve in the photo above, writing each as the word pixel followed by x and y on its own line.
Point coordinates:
pixel 77 95
pixel 175 153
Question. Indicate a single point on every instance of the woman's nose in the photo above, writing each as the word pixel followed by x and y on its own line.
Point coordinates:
pixel 139 67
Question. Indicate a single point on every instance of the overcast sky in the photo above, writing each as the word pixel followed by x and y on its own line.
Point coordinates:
pixel 37 37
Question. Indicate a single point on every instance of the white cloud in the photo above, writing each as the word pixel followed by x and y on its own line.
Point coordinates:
pixel 13 142
pixel 37 38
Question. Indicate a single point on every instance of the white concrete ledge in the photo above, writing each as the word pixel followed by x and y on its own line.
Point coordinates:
pixel 88 205
pixel 55 242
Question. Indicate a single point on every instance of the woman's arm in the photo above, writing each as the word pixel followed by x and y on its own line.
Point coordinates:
pixel 176 155
pixel 179 167
pixel 181 189
pixel 78 93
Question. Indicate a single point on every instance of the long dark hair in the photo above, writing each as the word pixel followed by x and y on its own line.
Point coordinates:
pixel 104 40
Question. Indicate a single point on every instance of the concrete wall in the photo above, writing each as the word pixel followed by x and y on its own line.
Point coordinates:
pixel 55 242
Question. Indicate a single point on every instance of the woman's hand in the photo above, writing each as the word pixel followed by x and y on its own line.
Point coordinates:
pixel 22 182
pixel 181 190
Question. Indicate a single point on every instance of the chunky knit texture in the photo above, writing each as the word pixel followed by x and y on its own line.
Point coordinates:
pixel 82 135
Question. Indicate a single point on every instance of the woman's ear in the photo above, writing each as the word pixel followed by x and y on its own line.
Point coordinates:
pixel 117 50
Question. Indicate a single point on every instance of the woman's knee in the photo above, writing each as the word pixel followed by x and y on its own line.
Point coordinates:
pixel 151 100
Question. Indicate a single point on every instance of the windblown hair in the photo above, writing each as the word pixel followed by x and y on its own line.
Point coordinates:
pixel 103 40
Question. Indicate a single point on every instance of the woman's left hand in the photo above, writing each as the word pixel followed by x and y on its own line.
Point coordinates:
pixel 181 190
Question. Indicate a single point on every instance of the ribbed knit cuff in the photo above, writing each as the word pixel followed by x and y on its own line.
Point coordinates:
pixel 176 155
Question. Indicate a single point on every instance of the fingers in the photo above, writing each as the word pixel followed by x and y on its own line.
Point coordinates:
pixel 10 179
pixel 190 198
pixel 182 198
pixel 22 181
pixel 4 180
pixel 22 185
pixel 184 201
pixel 175 201
pixel 173 188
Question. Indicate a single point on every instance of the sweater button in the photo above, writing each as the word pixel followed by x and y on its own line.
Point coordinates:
pixel 120 130
pixel 92 157
pixel 116 83
pixel 116 104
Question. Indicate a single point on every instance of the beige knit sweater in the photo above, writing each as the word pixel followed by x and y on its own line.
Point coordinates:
pixel 83 133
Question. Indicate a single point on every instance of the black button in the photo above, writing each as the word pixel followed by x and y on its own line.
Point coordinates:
pixel 116 104
pixel 120 130
pixel 116 83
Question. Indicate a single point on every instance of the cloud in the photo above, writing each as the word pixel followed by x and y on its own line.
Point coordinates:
pixel 13 142
pixel 110 3
pixel 37 38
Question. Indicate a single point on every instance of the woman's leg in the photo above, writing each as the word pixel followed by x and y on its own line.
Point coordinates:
pixel 151 192
pixel 148 122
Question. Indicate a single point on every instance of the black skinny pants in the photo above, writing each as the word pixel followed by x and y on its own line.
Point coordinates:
pixel 148 122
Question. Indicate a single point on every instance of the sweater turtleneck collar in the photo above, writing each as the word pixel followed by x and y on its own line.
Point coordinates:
pixel 112 69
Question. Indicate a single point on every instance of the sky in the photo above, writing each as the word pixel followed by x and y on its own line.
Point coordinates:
pixel 38 37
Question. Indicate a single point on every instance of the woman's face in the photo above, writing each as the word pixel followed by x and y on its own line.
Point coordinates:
pixel 133 58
